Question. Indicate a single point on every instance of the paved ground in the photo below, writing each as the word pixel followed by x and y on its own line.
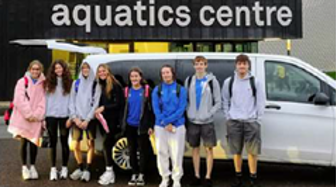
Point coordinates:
pixel 271 175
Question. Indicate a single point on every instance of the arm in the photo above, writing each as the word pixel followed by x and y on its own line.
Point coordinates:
pixel 217 97
pixel 180 110
pixel 20 100
pixel 150 110
pixel 226 100
pixel 39 112
pixel 261 100
pixel 156 105
pixel 95 105
pixel 72 102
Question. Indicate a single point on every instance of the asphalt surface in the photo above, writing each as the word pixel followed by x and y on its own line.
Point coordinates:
pixel 270 175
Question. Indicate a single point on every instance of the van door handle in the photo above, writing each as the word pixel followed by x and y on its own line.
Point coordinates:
pixel 273 106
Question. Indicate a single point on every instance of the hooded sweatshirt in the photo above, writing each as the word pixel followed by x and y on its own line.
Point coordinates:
pixel 57 102
pixel 25 108
pixel 242 105
pixel 82 103
pixel 169 108
pixel 205 113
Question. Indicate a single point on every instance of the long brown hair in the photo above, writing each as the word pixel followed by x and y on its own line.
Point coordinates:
pixel 51 81
pixel 110 80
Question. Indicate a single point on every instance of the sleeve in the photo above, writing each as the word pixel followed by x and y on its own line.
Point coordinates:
pixel 72 102
pixel 20 101
pixel 226 100
pixel 180 110
pixel 39 112
pixel 261 99
pixel 217 97
pixel 156 105
pixel 150 110
pixel 95 105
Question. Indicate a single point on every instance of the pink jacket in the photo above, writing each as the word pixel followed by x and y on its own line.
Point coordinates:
pixel 24 109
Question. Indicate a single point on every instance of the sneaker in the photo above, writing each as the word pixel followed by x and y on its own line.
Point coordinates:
pixel 33 173
pixel 176 184
pixel 207 183
pixel 107 178
pixel 237 183
pixel 86 176
pixel 140 180
pixel 254 183
pixel 77 174
pixel 164 183
pixel 25 173
pixel 53 174
pixel 195 181
pixel 133 180
pixel 64 173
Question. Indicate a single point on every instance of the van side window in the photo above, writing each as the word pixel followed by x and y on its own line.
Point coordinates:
pixel 221 68
pixel 333 96
pixel 286 82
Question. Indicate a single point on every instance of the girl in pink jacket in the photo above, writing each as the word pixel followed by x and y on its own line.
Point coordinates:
pixel 28 115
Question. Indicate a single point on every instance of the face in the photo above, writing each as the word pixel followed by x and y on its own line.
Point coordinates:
pixel 102 73
pixel 35 71
pixel 242 67
pixel 135 78
pixel 200 66
pixel 167 75
pixel 85 70
pixel 58 70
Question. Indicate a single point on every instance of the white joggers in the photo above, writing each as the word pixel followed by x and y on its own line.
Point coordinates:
pixel 170 145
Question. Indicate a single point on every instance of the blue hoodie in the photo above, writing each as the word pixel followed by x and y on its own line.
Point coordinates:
pixel 169 108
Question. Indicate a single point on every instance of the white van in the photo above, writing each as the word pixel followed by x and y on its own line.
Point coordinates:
pixel 300 116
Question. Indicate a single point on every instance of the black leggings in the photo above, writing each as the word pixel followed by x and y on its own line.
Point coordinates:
pixel 109 140
pixel 53 124
pixel 137 143
pixel 32 151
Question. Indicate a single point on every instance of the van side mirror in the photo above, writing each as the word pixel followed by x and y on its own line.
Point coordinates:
pixel 321 99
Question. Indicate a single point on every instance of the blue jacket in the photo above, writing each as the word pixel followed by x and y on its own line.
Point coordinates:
pixel 168 108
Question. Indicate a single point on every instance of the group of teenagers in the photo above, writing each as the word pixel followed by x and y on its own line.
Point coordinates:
pixel 174 113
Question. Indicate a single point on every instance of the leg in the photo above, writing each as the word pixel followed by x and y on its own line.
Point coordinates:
pixel 209 152
pixel 23 151
pixel 108 145
pixel 144 151
pixel 132 138
pixel 176 149
pixel 91 136
pixel 208 135
pixel 64 141
pixel 52 130
pixel 161 144
pixel 196 161
pixel 76 138
pixel 194 140
pixel 237 159
pixel 252 162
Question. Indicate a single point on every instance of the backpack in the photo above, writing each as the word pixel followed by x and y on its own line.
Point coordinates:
pixel 146 91
pixel 210 85
pixel 252 83
pixel 8 112
pixel 93 89
pixel 178 90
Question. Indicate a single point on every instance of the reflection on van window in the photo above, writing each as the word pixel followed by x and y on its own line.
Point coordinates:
pixel 286 82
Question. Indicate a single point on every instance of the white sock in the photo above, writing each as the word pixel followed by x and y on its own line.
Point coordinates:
pixel 64 167
pixel 109 168
pixel 32 167
pixel 53 168
pixel 24 167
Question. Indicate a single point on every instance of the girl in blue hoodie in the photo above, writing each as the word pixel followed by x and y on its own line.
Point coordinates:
pixel 169 104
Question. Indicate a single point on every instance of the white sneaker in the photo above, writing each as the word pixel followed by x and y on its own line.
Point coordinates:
pixel 53 174
pixel 140 180
pixel 64 173
pixel 33 173
pixel 86 176
pixel 108 177
pixel 133 180
pixel 25 173
pixel 176 184
pixel 164 183
pixel 77 174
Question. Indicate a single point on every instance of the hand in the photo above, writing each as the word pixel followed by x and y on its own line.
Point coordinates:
pixel 30 119
pixel 84 125
pixel 150 131
pixel 169 127
pixel 78 122
pixel 68 123
pixel 35 119
pixel 44 125
pixel 100 110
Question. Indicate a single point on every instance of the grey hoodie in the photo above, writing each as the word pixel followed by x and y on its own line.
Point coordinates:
pixel 207 108
pixel 57 102
pixel 241 106
pixel 80 101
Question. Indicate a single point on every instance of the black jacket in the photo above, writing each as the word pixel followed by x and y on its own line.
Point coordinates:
pixel 147 115
pixel 113 105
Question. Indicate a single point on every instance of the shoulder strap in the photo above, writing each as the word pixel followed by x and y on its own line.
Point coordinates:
pixel 159 90
pixel 230 85
pixel 77 85
pixel 253 86
pixel 26 87
pixel 189 79
pixel 211 82
pixel 178 90
pixel 126 92
pixel 146 90
pixel 93 92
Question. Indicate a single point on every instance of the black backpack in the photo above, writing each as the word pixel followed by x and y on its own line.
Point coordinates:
pixel 210 84
pixel 252 83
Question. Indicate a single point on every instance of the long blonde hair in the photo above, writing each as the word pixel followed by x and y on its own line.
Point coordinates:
pixel 110 80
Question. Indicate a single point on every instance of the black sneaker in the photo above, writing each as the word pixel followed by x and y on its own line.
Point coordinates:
pixel 254 183
pixel 195 182
pixel 207 183
pixel 237 183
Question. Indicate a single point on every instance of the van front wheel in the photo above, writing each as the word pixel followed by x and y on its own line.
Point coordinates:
pixel 120 154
